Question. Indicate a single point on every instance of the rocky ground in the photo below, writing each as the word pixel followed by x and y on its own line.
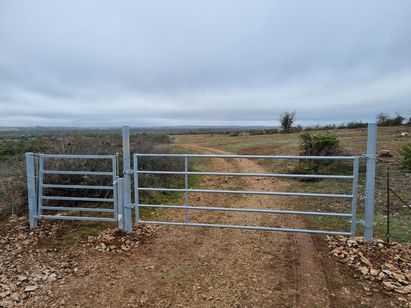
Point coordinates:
pixel 386 265
pixel 32 263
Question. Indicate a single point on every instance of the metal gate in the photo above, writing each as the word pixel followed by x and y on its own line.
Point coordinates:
pixel 38 186
pixel 121 202
pixel 352 196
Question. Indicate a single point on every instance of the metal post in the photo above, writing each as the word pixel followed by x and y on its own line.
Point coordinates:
pixel 113 182
pixel 31 190
pixel 40 186
pixel 126 180
pixel 354 203
pixel 136 189
pixel 388 204
pixel 370 182
pixel 118 191
pixel 186 186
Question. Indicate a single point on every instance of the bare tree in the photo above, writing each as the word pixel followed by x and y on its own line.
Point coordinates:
pixel 287 120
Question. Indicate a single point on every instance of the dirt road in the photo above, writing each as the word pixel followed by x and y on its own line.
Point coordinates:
pixel 204 267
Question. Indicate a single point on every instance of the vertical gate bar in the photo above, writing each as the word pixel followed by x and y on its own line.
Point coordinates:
pixel 31 189
pixel 136 189
pixel 115 203
pixel 388 204
pixel 186 186
pixel 370 182
pixel 354 203
pixel 120 203
pixel 117 167
pixel 40 185
pixel 113 182
pixel 126 179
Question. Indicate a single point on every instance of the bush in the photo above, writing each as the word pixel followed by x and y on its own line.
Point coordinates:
pixel 317 145
pixel 406 156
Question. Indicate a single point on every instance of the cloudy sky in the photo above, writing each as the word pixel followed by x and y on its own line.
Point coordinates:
pixel 233 62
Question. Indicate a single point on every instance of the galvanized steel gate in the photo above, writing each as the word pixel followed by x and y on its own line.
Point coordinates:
pixel 38 185
pixel 122 204
pixel 353 196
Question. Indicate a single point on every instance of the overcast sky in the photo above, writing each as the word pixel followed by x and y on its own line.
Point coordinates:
pixel 104 63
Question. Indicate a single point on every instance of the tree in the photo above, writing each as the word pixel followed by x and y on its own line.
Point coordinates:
pixel 287 120
pixel 384 119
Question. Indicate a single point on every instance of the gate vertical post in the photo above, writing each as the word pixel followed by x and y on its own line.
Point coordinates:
pixel 370 182
pixel 31 190
pixel 136 191
pixel 118 190
pixel 186 188
pixel 354 203
pixel 126 180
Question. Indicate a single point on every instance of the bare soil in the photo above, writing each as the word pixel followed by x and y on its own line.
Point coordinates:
pixel 208 267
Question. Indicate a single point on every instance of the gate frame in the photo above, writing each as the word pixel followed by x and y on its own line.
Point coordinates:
pixel 122 187
pixel 35 186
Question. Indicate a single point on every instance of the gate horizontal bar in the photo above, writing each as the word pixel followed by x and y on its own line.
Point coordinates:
pixel 243 227
pixel 280 175
pixel 77 198
pixel 78 156
pixel 77 172
pixel 205 208
pixel 81 218
pixel 81 209
pixel 250 156
pixel 248 192
pixel 77 186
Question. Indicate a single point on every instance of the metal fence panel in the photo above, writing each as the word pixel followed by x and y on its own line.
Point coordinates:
pixel 353 196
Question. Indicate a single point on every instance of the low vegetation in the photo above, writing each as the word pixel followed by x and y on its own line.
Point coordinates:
pixel 318 145
pixel 13 194
pixel 406 156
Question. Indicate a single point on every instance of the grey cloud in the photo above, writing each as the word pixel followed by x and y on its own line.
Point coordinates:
pixel 202 62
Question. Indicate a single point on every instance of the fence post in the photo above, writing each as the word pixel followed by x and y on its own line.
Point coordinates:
pixel 370 182
pixel 31 190
pixel 126 180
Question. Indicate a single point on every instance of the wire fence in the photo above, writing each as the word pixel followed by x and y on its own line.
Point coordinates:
pixel 393 203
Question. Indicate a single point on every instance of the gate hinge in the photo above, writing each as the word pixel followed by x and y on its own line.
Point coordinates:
pixel 130 171
pixel 129 206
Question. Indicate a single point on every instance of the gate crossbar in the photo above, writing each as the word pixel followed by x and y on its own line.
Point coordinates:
pixel 353 196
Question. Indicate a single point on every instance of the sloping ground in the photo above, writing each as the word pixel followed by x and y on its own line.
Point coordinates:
pixel 196 267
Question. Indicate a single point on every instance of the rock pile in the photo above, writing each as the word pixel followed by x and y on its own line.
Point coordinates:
pixel 114 240
pixel 388 265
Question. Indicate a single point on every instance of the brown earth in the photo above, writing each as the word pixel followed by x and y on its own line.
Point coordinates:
pixel 208 267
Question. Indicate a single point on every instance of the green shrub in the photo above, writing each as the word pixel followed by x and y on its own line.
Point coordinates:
pixel 406 156
pixel 317 145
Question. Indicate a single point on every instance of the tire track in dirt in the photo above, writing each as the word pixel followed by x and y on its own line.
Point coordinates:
pixel 204 267
pixel 308 271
